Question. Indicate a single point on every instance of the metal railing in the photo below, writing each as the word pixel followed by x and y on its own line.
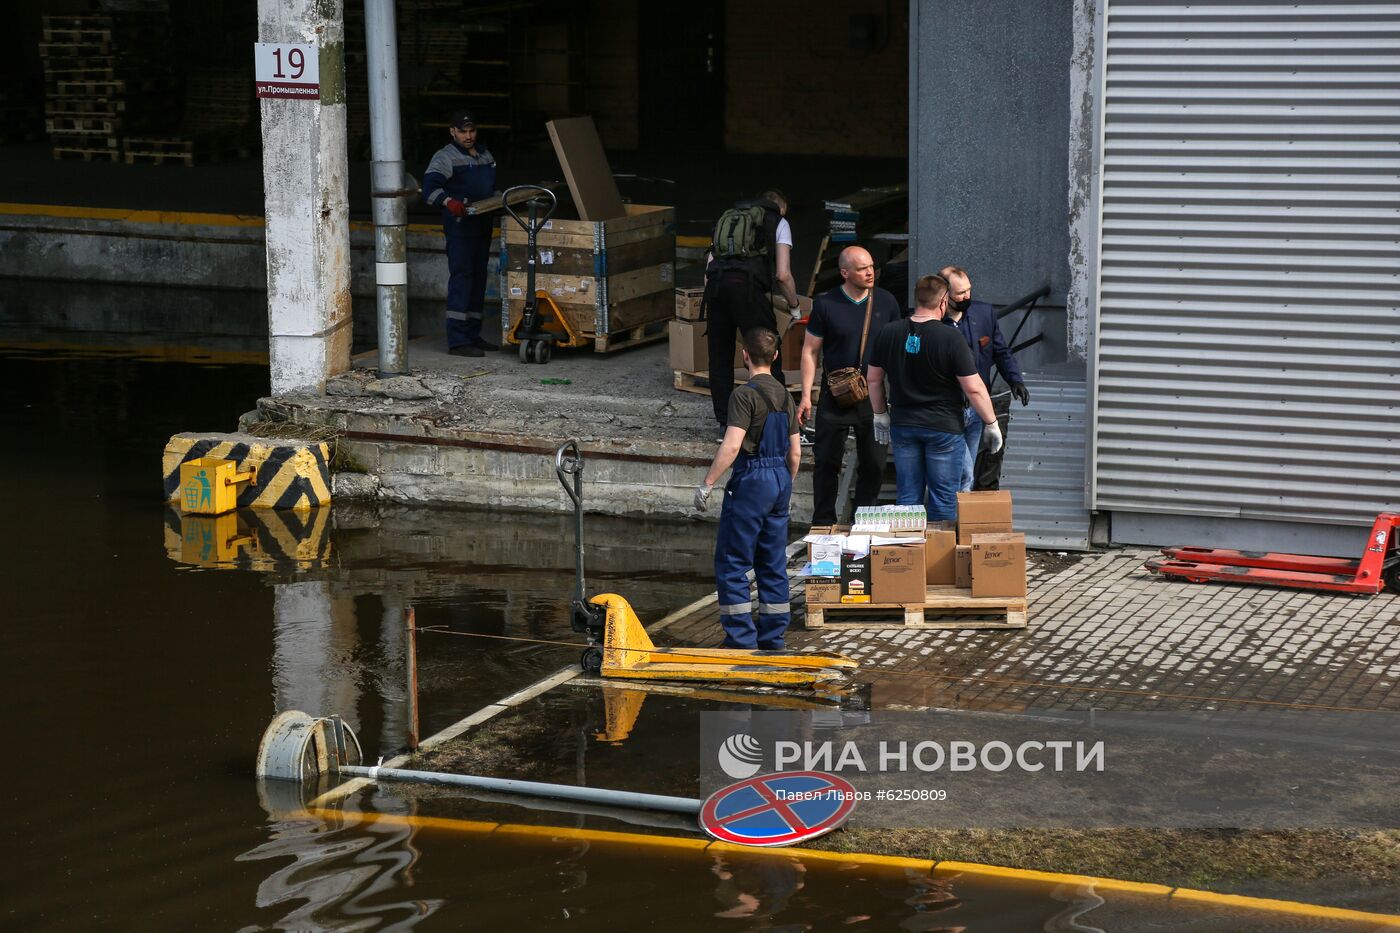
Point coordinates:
pixel 1027 303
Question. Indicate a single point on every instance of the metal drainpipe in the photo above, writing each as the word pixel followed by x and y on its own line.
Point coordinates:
pixel 389 187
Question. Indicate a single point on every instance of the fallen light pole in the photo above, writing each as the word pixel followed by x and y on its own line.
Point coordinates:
pixel 298 747
pixel 599 795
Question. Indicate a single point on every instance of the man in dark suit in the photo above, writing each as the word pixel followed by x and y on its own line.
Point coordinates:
pixel 977 320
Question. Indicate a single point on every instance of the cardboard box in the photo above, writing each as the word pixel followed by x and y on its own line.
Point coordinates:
pixel 586 168
pixel 984 508
pixel 940 542
pixel 690 348
pixel 855 579
pixel 688 301
pixel 962 566
pixel 966 532
pixel 823 592
pixel 824 558
pixel 999 565
pixel 792 346
pixel 897 572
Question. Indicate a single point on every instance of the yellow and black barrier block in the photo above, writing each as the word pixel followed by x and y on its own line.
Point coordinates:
pixel 250 539
pixel 286 474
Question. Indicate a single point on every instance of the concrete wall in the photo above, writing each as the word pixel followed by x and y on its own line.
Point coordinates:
pixel 989 142
pixel 794 85
pixel 139 251
pixel 457 466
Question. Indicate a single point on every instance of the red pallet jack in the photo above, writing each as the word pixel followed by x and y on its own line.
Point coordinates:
pixel 1378 568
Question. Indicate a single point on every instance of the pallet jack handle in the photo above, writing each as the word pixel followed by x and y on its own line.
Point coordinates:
pixel 531 224
pixel 583 617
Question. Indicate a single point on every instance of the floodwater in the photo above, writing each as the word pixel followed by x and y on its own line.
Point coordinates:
pixel 142 671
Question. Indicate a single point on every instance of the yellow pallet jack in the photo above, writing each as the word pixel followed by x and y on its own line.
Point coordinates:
pixel 542 326
pixel 618 645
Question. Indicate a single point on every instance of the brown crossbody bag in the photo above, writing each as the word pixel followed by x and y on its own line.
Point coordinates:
pixel 847 385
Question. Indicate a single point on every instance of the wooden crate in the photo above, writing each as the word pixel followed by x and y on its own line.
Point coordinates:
pixel 614 279
pixel 944 607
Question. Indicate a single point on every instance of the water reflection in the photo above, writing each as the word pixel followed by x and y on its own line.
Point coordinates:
pixel 337 878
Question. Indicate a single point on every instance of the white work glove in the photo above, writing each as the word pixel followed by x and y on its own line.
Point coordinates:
pixel 991 437
pixel 882 428
pixel 702 496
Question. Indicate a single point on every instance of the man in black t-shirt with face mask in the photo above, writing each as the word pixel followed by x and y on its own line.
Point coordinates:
pixel 920 373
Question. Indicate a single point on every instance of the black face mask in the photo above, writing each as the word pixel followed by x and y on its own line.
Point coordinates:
pixel 960 306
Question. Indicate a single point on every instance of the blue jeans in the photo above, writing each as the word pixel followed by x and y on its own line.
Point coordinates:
pixel 928 461
pixel 972 434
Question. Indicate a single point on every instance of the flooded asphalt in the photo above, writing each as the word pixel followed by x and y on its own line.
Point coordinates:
pixel 139 680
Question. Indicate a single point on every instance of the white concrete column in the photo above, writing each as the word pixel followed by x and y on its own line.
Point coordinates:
pixel 1085 97
pixel 305 185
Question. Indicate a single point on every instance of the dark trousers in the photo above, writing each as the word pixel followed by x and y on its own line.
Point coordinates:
pixel 833 424
pixel 734 304
pixel 467 259
pixel 986 474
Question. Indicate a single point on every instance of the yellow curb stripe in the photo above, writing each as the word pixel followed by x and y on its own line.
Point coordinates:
pixel 1262 904
pixel 83 212
pixel 1294 908
pixel 178 218
pixel 1053 877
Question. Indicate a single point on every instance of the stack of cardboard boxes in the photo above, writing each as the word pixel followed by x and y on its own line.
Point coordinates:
pixel 980 553
pixel 897 570
pixel 690 349
pixel 990 558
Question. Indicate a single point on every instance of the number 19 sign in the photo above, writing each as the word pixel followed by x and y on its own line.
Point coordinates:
pixel 287 70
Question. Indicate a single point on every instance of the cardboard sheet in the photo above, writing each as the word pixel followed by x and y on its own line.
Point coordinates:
pixel 586 168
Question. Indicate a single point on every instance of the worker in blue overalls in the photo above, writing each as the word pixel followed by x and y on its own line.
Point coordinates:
pixel 459 173
pixel 761 442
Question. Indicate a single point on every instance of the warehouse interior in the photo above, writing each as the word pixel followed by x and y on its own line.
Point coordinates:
pixel 149 103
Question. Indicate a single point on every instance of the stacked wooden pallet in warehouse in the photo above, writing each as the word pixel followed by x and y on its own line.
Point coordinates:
pixel 85 104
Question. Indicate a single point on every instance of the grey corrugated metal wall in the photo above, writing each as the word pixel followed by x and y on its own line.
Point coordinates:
pixel 1247 338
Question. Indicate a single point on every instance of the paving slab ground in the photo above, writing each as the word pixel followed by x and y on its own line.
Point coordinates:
pixel 1106 633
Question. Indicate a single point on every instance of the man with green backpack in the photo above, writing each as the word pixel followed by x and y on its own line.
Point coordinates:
pixel 750 258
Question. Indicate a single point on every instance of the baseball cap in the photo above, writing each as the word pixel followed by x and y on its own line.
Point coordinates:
pixel 461 119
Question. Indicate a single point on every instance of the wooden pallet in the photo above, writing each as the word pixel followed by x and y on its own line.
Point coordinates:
pixel 87 155
pixel 84 141
pixel 96 124
pixel 637 336
pixel 158 158
pixel 699 383
pixel 78 21
pixel 78 72
pixel 91 88
pixel 160 144
pixel 944 607
pixel 73 51
pixel 77 36
pixel 82 106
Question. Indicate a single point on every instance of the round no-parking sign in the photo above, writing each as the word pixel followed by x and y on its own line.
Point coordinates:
pixel 778 809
